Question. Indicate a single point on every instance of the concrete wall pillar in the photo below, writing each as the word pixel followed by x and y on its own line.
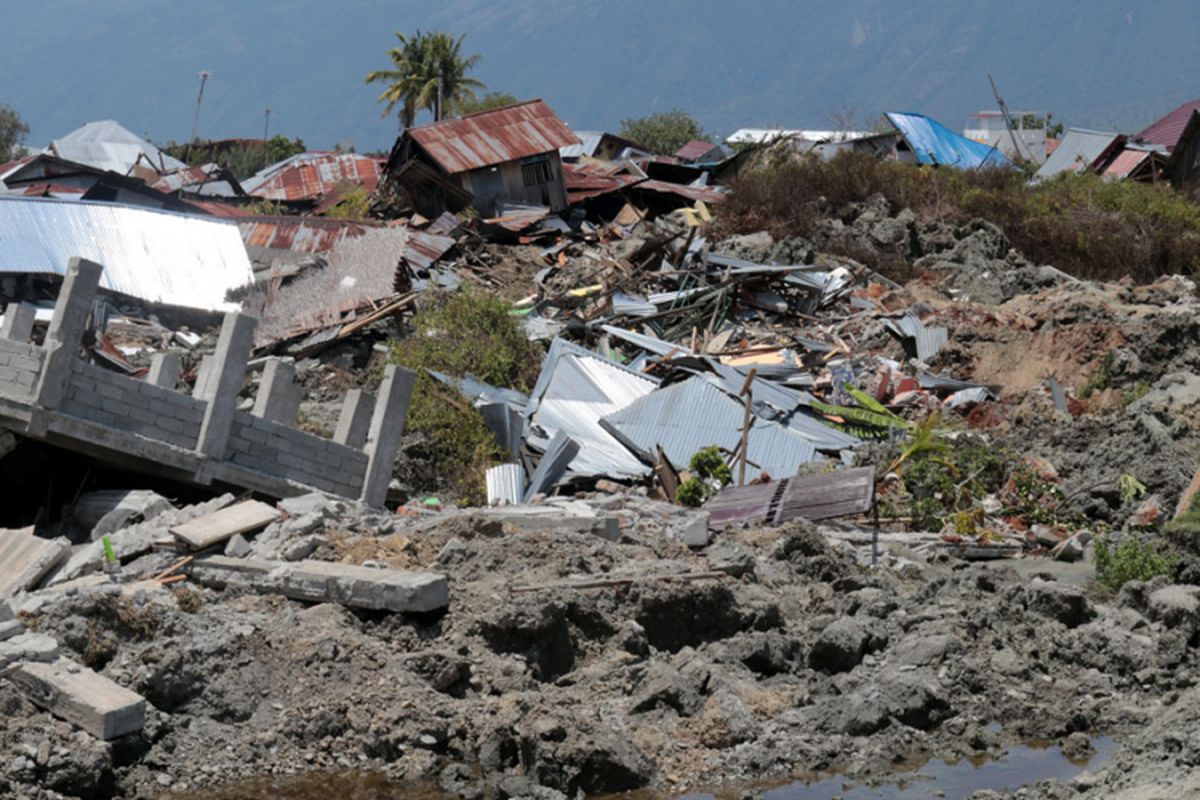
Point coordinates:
pixel 226 372
pixel 18 322
pixel 355 419
pixel 164 370
pixel 278 398
pixel 383 436
pixel 66 329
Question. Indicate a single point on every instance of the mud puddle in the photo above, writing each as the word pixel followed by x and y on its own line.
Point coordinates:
pixel 1019 766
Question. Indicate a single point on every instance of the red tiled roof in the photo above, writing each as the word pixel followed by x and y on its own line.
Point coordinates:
pixel 1168 129
pixel 494 137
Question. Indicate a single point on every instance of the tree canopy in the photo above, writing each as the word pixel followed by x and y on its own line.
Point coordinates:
pixel 487 102
pixel 13 131
pixel 418 64
pixel 663 132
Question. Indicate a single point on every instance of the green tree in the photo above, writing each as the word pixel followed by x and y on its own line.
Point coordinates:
pixel 487 102
pixel 13 131
pixel 280 147
pixel 419 64
pixel 663 132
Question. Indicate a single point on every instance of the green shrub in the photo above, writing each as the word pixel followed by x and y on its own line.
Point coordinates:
pixel 1129 560
pixel 709 474
pixel 1084 224
pixel 472 332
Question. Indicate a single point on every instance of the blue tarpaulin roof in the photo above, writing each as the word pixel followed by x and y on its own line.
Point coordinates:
pixel 934 143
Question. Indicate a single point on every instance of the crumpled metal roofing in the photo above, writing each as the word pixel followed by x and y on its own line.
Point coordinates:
pixel 157 256
pixel 108 145
pixel 934 143
pixel 494 137
pixel 1167 130
pixel 584 181
pixel 209 180
pixel 688 416
pixel 709 194
pixel 577 388
pixel 1076 152
pixel 307 176
pixel 299 234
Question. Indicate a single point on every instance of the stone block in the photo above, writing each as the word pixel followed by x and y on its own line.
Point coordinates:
pixel 82 697
pixel 327 582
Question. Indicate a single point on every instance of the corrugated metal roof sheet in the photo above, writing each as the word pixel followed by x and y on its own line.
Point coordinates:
pixel 494 137
pixel 110 146
pixel 584 181
pixel 156 256
pixel 575 390
pixel 689 416
pixel 934 143
pixel 1126 162
pixel 588 142
pixel 709 194
pixel 1076 152
pixel 207 179
pixel 307 176
pixel 1167 130
pixel 299 234
pixel 695 150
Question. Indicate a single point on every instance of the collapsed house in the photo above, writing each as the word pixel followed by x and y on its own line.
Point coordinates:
pixel 490 160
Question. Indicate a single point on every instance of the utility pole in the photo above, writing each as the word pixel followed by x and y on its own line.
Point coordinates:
pixel 266 127
pixel 1007 120
pixel 203 75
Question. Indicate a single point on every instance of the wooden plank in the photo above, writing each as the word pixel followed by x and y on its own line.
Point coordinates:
pixel 82 697
pixel 218 526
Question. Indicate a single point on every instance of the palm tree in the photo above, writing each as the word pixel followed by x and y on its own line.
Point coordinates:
pixel 418 64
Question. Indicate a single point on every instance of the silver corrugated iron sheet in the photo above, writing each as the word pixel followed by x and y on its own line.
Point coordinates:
pixel 689 416
pixel 575 390
pixel 111 146
pixel 1076 152
pixel 505 484
pixel 155 256
pixel 927 340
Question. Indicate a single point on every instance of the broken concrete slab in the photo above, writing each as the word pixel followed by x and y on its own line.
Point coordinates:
pixel 9 629
pixel 82 697
pixel 108 511
pixel 692 531
pixel 27 647
pixel 25 559
pixel 5 611
pixel 216 527
pixel 237 546
pixel 311 503
pixel 571 515
pixel 134 540
pixel 327 582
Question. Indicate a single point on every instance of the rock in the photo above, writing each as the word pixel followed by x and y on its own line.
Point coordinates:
pixel 237 546
pixel 726 722
pixel 909 698
pixel 922 651
pixel 313 503
pixel 1175 606
pixel 1078 747
pixel 664 686
pixel 1058 601
pixel 305 547
pixel 10 628
pixel 692 530
pixel 842 645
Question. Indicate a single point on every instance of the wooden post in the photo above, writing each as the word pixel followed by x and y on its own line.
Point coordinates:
pixel 748 395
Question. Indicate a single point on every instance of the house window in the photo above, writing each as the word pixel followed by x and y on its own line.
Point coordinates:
pixel 535 171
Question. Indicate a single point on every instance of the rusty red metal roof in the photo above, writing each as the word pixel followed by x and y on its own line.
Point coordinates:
pixel 584 181
pixel 494 137
pixel 694 150
pixel 709 194
pixel 299 234
pixel 309 176
pixel 1126 162
pixel 1167 130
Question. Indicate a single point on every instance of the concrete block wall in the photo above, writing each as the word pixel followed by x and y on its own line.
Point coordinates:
pixel 136 406
pixel 20 363
pixel 269 447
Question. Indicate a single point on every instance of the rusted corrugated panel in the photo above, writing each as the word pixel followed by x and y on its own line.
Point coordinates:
pixel 308 176
pixel 299 234
pixel 743 505
pixel 584 181
pixel 826 495
pixel 423 249
pixel 1125 163
pixel 494 137
pixel 708 194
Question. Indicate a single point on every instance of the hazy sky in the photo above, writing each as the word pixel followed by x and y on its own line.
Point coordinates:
pixel 754 63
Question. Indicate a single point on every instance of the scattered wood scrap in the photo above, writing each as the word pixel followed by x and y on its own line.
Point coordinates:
pixel 211 529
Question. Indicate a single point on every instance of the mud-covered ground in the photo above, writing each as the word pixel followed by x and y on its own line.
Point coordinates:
pixel 801 660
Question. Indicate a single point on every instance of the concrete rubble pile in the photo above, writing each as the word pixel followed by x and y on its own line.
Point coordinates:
pixel 766 511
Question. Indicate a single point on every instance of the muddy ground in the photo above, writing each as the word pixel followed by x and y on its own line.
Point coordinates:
pixel 800 660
